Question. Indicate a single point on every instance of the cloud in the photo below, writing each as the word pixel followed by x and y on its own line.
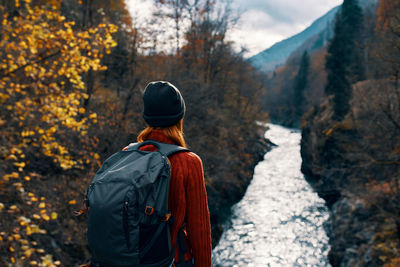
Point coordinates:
pixel 140 10
pixel 265 22
pixel 261 20
pixel 255 40
pixel 289 11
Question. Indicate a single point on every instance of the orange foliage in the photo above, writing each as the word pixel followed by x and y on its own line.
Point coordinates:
pixel 382 188
pixel 386 11
pixel 393 263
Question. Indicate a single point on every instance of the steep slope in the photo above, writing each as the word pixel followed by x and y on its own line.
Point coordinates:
pixel 279 82
pixel 277 54
pixel 312 38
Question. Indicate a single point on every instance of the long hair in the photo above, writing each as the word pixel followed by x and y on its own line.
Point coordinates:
pixel 174 132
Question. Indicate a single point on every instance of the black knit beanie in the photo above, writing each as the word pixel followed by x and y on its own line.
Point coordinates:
pixel 163 104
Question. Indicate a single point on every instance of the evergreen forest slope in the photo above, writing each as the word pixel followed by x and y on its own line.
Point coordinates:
pixel 346 99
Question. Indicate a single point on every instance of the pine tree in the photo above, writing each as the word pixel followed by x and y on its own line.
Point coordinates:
pixel 300 84
pixel 344 61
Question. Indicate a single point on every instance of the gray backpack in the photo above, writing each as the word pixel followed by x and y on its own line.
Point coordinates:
pixel 129 219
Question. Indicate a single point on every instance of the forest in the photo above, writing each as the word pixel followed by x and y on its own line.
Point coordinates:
pixel 72 74
pixel 342 88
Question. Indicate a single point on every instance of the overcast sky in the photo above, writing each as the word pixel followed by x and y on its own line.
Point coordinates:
pixel 263 22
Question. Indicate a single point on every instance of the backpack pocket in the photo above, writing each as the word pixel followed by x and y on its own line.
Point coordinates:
pixel 125 223
pixel 160 249
pixel 130 218
pixel 112 224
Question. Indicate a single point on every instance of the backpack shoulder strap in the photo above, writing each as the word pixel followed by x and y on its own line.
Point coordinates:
pixel 168 149
pixel 132 146
pixel 163 148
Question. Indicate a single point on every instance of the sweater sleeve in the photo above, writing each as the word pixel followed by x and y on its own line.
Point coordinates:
pixel 198 216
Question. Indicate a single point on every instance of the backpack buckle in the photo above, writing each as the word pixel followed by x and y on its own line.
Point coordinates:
pixel 166 217
pixel 149 210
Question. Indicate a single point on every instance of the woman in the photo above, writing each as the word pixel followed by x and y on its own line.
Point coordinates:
pixel 164 109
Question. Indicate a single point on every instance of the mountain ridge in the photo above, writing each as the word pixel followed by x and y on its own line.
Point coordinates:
pixel 269 59
pixel 277 54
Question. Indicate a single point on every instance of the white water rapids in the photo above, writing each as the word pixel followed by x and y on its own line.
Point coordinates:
pixel 279 221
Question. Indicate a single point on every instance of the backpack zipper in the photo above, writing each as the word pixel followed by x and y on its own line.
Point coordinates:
pixel 126 223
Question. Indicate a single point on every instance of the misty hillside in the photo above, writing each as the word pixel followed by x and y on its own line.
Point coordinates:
pixel 315 36
pixel 277 54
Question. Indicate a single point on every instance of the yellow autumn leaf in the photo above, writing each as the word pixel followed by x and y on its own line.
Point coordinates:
pixel 28 252
pixel 93 116
pixel 12 157
pixel 20 164
pixel 42 205
pixel 28 230
pixel 45 217
pixel 54 215
pixel 72 202
pixel 35 216
pixel 24 242
pixel 35 229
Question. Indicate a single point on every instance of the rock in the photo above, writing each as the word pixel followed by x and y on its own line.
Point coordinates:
pixel 364 227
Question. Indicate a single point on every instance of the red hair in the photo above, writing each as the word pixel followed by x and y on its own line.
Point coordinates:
pixel 174 132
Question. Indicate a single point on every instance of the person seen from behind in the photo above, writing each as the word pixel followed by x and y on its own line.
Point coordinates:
pixel 129 237
pixel 164 109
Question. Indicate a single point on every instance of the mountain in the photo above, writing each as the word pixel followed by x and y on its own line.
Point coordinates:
pixel 277 54
pixel 315 36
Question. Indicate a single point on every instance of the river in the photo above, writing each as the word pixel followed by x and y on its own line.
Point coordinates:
pixel 279 221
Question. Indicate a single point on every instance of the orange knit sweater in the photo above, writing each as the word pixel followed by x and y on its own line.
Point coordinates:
pixel 187 202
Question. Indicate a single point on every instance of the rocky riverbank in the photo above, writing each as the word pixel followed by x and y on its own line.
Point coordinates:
pixel 352 165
